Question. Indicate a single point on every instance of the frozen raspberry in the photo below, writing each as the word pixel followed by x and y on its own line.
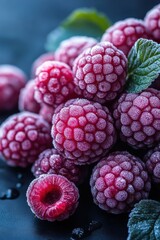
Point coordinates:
pixel 69 49
pixel 152 159
pixel 83 131
pixel 50 162
pixel 100 72
pixel 119 181
pixel 137 118
pixel 152 22
pixel 54 83
pixel 12 79
pixel 47 112
pixel 49 56
pixel 23 137
pixel 26 98
pixel 124 34
pixel 52 197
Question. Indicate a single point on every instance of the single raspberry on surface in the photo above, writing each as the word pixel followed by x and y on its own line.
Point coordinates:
pixel 100 72
pixel 12 80
pixel 53 83
pixel 26 98
pixel 137 118
pixel 23 136
pixel 70 48
pixel 152 22
pixel 152 159
pixel 123 34
pixel 82 131
pixel 119 181
pixel 47 112
pixel 52 197
pixel 51 162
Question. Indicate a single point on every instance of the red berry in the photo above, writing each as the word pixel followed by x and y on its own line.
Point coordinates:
pixel 137 118
pixel 82 131
pixel 118 182
pixel 100 72
pixel 47 112
pixel 23 137
pixel 54 83
pixel 124 34
pixel 12 79
pixel 152 22
pixel 69 49
pixel 26 98
pixel 52 197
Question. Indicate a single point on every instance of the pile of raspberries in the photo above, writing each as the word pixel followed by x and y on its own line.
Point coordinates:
pixel 73 112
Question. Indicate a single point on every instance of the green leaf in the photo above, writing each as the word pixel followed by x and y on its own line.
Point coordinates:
pixel 143 65
pixel 81 22
pixel 144 221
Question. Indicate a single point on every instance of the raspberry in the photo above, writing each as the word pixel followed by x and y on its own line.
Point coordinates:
pixel 54 83
pixel 23 137
pixel 52 197
pixel 152 22
pixel 124 34
pixel 69 49
pixel 152 159
pixel 12 79
pixel 118 182
pixel 82 131
pixel 100 72
pixel 137 118
pixel 47 112
pixel 50 162
pixel 26 98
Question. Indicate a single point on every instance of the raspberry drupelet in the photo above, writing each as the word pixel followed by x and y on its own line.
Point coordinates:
pixel 123 34
pixel 119 181
pixel 23 136
pixel 52 197
pixel 47 112
pixel 82 131
pixel 53 83
pixel 137 118
pixel 51 162
pixel 70 48
pixel 100 72
pixel 12 80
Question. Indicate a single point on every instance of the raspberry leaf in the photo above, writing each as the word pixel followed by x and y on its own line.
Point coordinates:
pixel 81 22
pixel 144 221
pixel 143 65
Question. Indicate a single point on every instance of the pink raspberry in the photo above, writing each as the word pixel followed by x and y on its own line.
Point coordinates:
pixel 82 131
pixel 12 79
pixel 152 159
pixel 137 118
pixel 23 137
pixel 124 34
pixel 52 197
pixel 118 182
pixel 26 98
pixel 47 112
pixel 152 22
pixel 69 49
pixel 100 72
pixel 54 83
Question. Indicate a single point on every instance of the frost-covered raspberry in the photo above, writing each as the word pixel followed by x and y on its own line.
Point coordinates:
pixel 100 72
pixel 69 49
pixel 82 131
pixel 119 181
pixel 26 98
pixel 152 159
pixel 23 137
pixel 124 34
pixel 47 112
pixel 54 83
pixel 12 79
pixel 52 197
pixel 152 22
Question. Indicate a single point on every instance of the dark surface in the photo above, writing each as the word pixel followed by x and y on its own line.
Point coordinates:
pixel 24 25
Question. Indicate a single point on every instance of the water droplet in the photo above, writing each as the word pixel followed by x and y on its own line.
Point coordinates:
pixel 10 193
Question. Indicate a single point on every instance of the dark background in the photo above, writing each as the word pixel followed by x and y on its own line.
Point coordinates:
pixel 24 25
